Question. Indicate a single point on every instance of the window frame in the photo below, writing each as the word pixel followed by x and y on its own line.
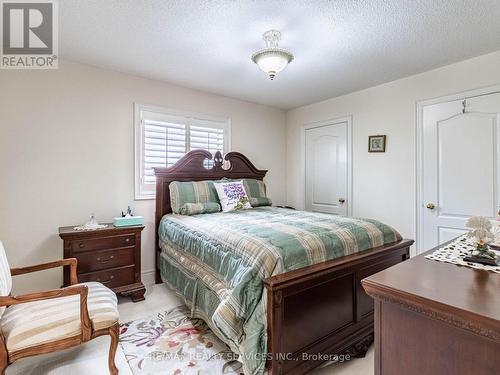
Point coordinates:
pixel 141 191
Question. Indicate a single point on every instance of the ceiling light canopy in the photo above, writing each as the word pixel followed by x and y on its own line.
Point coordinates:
pixel 272 59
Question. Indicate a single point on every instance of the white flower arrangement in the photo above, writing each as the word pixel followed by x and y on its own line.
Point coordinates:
pixel 481 229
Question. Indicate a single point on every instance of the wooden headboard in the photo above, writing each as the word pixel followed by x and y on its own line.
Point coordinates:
pixel 191 168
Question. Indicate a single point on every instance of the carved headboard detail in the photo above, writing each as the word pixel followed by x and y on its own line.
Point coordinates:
pixel 191 167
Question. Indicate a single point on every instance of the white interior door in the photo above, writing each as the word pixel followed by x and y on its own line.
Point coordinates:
pixel 460 161
pixel 326 167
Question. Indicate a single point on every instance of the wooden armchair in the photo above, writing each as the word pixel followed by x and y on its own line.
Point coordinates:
pixel 48 321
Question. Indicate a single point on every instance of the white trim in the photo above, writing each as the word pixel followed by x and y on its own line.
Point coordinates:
pixel 176 112
pixel 460 95
pixel 148 277
pixel 419 204
pixel 138 138
pixel 318 124
pixel 137 152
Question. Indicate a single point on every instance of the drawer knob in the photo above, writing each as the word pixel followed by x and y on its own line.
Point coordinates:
pixel 100 260
pixel 81 245
pixel 127 240
pixel 105 281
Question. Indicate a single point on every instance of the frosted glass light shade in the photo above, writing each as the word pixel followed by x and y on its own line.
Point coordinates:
pixel 272 60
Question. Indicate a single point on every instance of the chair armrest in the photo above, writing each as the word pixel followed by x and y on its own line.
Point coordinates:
pixel 72 262
pixel 82 290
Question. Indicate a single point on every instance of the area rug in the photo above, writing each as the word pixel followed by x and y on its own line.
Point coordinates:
pixel 170 343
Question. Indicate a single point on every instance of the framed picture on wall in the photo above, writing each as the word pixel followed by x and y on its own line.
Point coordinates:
pixel 376 143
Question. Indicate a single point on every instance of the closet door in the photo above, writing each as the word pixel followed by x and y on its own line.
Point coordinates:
pixel 327 168
pixel 460 163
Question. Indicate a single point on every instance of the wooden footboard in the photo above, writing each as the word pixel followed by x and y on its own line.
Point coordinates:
pixel 317 312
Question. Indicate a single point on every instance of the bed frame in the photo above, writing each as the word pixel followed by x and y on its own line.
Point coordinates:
pixel 313 313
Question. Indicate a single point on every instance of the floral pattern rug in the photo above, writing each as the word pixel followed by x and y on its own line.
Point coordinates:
pixel 171 343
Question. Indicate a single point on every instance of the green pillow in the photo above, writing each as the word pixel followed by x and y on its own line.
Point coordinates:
pixel 204 192
pixel 260 201
pixel 256 191
pixel 199 208
pixel 191 192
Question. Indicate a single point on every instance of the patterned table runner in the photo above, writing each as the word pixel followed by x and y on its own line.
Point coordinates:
pixel 456 250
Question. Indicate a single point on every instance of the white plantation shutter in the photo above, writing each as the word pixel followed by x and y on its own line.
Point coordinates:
pixel 163 139
pixel 164 144
pixel 206 138
pixel 206 135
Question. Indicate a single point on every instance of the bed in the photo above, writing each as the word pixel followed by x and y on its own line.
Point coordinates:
pixel 281 287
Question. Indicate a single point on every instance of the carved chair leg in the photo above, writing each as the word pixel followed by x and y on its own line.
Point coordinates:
pixel 3 366
pixel 4 356
pixel 114 333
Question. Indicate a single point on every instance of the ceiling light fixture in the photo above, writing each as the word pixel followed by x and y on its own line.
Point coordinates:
pixel 272 59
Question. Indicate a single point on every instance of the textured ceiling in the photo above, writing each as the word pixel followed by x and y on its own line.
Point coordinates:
pixel 340 46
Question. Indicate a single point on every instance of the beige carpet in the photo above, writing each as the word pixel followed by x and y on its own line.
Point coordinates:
pixel 91 358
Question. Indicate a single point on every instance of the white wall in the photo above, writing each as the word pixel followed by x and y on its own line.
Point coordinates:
pixel 384 183
pixel 66 150
pixel 66 141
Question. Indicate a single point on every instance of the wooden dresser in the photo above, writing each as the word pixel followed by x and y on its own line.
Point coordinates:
pixel 111 256
pixel 435 318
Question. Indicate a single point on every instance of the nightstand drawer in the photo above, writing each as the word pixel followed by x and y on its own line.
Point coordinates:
pixel 110 278
pixel 103 259
pixel 86 244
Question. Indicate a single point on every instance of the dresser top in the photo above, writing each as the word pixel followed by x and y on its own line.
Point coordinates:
pixel 440 286
pixel 70 231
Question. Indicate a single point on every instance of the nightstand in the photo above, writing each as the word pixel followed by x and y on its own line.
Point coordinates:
pixel 111 256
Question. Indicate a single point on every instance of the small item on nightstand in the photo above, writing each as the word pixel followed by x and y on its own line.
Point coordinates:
pixel 92 224
pixel 128 219
pixel 129 212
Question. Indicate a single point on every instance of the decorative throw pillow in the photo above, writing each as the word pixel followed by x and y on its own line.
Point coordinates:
pixel 256 191
pixel 232 195
pixel 191 192
pixel 255 188
pixel 199 208
pixel 260 201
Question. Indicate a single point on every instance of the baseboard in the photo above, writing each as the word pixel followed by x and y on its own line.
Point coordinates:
pixel 148 277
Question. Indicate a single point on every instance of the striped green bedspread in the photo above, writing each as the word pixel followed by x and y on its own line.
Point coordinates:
pixel 218 261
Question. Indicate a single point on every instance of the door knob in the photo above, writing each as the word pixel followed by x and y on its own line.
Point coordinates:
pixel 341 200
pixel 431 206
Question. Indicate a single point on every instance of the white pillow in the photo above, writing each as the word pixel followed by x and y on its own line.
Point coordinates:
pixel 232 195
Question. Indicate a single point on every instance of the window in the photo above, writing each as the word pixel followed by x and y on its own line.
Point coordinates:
pixel 163 136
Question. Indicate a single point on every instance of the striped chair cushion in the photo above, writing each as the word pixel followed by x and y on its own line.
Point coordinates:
pixel 191 192
pixel 5 277
pixel 34 323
